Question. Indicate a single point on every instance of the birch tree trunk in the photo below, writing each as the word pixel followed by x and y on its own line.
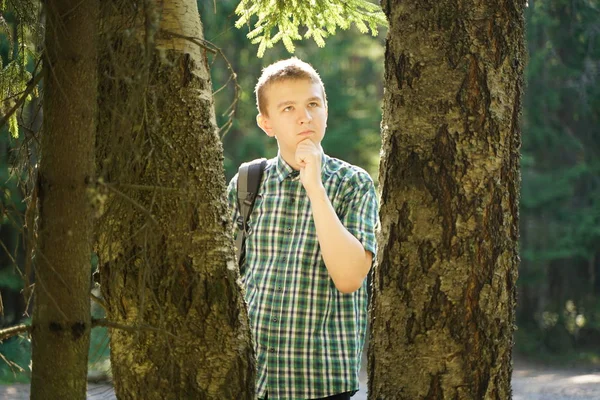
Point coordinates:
pixel 61 315
pixel 444 289
pixel 166 255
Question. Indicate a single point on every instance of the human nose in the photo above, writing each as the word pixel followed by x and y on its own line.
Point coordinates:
pixel 305 116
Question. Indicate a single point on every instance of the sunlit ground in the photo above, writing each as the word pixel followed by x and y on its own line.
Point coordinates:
pixel 531 383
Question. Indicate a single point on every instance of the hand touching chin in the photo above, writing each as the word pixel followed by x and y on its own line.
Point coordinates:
pixel 308 158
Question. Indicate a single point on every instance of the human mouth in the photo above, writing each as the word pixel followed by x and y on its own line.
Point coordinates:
pixel 306 133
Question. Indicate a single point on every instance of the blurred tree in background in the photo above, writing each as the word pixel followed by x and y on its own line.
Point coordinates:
pixel 367 111
pixel 351 66
pixel 559 286
pixel 18 64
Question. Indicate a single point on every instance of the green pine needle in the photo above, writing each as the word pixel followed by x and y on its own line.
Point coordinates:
pixel 320 18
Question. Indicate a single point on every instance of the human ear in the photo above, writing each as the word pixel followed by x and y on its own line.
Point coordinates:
pixel 264 124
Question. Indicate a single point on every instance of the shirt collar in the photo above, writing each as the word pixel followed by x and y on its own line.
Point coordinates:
pixel 283 169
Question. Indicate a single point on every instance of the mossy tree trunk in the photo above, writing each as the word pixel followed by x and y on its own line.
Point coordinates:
pixel 444 288
pixel 61 314
pixel 166 255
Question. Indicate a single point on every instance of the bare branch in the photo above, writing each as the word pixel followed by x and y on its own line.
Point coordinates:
pixel 129 328
pixel 130 200
pixel 96 322
pixel 205 44
pixel 146 187
pixel 13 330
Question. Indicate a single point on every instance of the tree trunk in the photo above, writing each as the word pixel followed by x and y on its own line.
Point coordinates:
pixel 166 255
pixel 444 287
pixel 61 317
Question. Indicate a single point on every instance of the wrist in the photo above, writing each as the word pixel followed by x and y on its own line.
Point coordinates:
pixel 316 193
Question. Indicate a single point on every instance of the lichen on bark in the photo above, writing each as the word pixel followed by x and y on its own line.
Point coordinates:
pixel 164 245
pixel 444 284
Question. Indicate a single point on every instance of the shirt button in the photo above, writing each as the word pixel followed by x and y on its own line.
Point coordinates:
pixel 272 349
pixel 289 228
pixel 274 319
pixel 280 289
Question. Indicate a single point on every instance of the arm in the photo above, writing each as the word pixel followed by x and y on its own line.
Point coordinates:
pixel 347 261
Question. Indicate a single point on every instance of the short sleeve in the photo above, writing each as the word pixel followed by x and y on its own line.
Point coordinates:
pixel 361 218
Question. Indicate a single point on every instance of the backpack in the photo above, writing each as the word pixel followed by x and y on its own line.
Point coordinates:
pixel 248 183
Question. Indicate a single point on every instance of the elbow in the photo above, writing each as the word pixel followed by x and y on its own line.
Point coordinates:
pixel 348 286
pixel 351 282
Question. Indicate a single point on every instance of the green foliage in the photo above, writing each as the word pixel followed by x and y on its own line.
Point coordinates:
pixel 14 366
pixel 13 82
pixel 18 34
pixel 540 346
pixel 320 18
pixel 351 67
pixel 9 279
pixel 561 144
pixel 560 203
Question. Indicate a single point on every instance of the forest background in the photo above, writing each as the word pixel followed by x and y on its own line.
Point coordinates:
pixel 558 315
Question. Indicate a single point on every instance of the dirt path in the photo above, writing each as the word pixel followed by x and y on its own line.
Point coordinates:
pixel 530 382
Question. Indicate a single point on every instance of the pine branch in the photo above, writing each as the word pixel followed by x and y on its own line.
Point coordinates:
pixel 30 88
pixel 320 18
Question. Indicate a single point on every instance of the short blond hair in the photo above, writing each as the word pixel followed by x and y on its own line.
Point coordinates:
pixel 282 70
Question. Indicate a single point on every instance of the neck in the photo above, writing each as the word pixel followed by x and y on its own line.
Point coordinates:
pixel 291 161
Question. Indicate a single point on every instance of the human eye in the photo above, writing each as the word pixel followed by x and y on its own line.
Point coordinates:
pixel 287 109
pixel 313 104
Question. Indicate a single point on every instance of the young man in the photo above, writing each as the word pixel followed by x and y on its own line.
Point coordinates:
pixel 310 247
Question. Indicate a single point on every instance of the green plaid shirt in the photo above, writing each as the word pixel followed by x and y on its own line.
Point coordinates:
pixel 308 336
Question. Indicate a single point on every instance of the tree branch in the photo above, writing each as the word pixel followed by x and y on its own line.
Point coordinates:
pixel 129 328
pixel 13 330
pixel 203 43
pixel 96 322
pixel 30 87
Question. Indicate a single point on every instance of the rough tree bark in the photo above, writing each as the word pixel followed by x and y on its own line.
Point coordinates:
pixel 166 255
pixel 61 315
pixel 444 288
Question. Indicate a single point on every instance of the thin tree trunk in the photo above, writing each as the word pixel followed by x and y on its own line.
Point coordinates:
pixel 444 288
pixel 166 254
pixel 61 317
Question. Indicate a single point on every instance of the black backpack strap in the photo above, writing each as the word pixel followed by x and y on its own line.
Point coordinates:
pixel 248 183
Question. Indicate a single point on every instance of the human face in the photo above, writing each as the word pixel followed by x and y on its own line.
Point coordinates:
pixel 296 111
